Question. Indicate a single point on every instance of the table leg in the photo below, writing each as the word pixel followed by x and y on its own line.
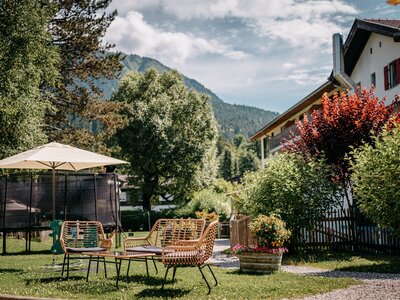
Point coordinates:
pixel 129 265
pixel 88 270
pixel 105 267
pixel 118 269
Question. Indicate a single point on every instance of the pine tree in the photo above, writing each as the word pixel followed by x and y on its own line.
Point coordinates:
pixel 77 29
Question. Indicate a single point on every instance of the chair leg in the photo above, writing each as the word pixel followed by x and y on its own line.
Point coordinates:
pixel 212 273
pixel 67 266
pixel 154 263
pixel 173 273
pixel 205 279
pixel 165 277
pixel 62 271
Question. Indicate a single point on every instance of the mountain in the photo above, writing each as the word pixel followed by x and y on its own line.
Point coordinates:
pixel 232 118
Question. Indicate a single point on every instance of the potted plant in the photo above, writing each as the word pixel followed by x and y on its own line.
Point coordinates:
pixel 266 255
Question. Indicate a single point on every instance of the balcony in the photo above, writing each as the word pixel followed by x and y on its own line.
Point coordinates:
pixel 275 142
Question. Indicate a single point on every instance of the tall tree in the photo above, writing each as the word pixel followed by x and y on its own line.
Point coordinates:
pixel 82 118
pixel 226 166
pixel 28 69
pixel 344 122
pixel 170 139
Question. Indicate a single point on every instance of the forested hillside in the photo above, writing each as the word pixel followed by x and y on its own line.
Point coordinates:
pixel 232 119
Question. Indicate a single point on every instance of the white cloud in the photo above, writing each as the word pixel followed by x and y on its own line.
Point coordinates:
pixel 305 76
pixel 308 23
pixel 132 34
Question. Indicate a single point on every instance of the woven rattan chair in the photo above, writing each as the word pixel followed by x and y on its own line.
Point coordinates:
pixel 166 232
pixel 191 253
pixel 78 237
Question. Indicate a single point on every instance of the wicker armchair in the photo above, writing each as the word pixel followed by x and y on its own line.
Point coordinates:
pixel 191 253
pixel 166 232
pixel 78 237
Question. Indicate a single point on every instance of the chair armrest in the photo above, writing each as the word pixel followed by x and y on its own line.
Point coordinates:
pixel 107 242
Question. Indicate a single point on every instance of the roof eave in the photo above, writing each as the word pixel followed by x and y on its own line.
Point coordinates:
pixel 326 87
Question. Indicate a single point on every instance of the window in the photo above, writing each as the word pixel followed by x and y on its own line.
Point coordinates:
pixel 391 74
pixel 370 50
pixel 373 79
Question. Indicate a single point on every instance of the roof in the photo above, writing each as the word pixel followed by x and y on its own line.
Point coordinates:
pixel 359 35
pixel 395 23
pixel 306 101
pixel 353 47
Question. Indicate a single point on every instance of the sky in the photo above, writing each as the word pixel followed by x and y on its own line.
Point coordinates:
pixel 264 53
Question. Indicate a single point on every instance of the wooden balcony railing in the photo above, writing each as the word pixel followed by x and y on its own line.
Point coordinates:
pixel 275 141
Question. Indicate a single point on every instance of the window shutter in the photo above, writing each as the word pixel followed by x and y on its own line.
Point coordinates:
pixel 397 66
pixel 386 77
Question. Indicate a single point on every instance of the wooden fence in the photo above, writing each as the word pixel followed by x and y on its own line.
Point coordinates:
pixel 239 231
pixel 341 229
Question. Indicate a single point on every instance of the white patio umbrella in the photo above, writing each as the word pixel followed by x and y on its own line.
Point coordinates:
pixel 55 156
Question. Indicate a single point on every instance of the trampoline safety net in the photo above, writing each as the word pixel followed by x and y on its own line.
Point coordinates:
pixel 26 199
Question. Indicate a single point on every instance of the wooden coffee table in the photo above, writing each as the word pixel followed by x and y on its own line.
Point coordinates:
pixel 118 256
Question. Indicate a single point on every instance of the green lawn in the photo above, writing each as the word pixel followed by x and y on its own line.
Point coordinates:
pixel 346 261
pixel 32 275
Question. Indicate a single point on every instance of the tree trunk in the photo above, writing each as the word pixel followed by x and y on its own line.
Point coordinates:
pixel 146 201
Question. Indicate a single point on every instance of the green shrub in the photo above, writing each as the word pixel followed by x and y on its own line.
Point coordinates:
pixel 208 201
pixel 296 191
pixel 376 178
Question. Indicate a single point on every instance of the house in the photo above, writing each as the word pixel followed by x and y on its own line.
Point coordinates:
pixel 370 55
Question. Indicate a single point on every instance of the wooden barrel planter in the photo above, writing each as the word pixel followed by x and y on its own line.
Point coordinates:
pixel 260 262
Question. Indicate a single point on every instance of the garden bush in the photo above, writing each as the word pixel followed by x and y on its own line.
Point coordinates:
pixel 296 191
pixel 376 178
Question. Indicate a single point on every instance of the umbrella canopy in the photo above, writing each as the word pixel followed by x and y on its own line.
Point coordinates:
pixel 59 157
pixel 55 156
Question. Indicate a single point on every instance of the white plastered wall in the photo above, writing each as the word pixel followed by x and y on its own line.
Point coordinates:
pixel 384 51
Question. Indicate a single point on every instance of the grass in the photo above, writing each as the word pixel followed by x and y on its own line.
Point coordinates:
pixel 346 261
pixel 32 275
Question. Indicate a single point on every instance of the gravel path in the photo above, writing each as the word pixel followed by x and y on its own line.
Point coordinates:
pixel 376 285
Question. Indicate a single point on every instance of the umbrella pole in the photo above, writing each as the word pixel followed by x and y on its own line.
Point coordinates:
pixel 54 193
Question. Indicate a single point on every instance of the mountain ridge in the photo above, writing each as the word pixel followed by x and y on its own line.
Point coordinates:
pixel 232 118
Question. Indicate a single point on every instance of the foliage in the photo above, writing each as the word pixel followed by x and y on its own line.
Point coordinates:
pixel 209 217
pixel 232 119
pixel 134 220
pixel 296 191
pixel 170 136
pixel 238 158
pixel 242 195
pixel 344 122
pixel 376 178
pixel 28 67
pixel 207 201
pixel 82 117
pixel 270 231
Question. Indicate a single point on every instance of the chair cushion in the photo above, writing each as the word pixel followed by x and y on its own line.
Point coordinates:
pixel 148 248
pixel 88 249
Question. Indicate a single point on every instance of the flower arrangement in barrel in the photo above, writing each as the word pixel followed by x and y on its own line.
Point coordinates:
pixel 271 234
